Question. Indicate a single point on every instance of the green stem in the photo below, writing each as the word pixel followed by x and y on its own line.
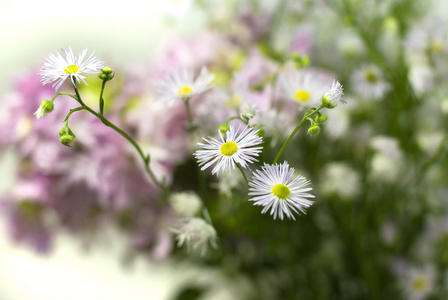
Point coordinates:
pixel 242 172
pixel 236 118
pixel 64 94
pixel 189 115
pixel 101 104
pixel 78 97
pixel 306 115
pixel 146 158
pixel 71 112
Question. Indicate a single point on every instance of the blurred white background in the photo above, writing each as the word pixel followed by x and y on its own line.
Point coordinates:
pixel 121 33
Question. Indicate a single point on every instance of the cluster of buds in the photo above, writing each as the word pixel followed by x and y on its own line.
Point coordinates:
pixel 66 136
pixel 106 74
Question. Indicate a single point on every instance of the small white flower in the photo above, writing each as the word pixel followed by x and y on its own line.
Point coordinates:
pixel 275 188
pixel 227 183
pixel 303 86
pixel 185 204
pixel 182 85
pixel 332 98
pixel 368 82
pixel 418 283
pixel 429 35
pixel 236 148
pixel 58 69
pixel 196 234
pixel 247 110
pixel 341 180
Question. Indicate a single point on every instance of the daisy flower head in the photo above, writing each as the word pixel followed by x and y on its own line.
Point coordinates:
pixel 183 85
pixel 237 147
pixel 196 234
pixel 303 86
pixel 369 82
pixel 419 283
pixel 428 36
pixel 275 188
pixel 58 68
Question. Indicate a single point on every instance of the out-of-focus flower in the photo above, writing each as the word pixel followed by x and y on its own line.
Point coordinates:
pixel 236 148
pixel 304 86
pixel 341 180
pixel 387 162
pixel 349 43
pixel 58 68
pixel 185 204
pixel 247 110
pixel 421 78
pixel 256 68
pixel 275 188
pixel 26 224
pixel 418 283
pixel 196 234
pixel 430 141
pixel 183 85
pixel 303 41
pixel 368 82
pixel 428 35
pixel 227 183
pixel 386 145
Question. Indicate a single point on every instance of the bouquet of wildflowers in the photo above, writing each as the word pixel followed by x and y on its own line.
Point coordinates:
pixel 299 148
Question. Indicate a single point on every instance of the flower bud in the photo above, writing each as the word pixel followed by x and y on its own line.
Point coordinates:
pixel 314 129
pixel 106 74
pixel 45 107
pixel 66 136
pixel 332 98
pixel 224 128
pixel 107 70
pixel 66 139
pixel 321 118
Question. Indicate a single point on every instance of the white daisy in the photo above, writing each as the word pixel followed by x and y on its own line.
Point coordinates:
pixel 236 147
pixel 275 188
pixel 303 86
pixel 182 85
pixel 419 283
pixel 58 68
pixel 369 82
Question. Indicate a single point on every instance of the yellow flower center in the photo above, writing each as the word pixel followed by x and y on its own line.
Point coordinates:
pixel 419 284
pixel 302 96
pixel 71 69
pixel 183 91
pixel 371 76
pixel 229 148
pixel 437 47
pixel 281 191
